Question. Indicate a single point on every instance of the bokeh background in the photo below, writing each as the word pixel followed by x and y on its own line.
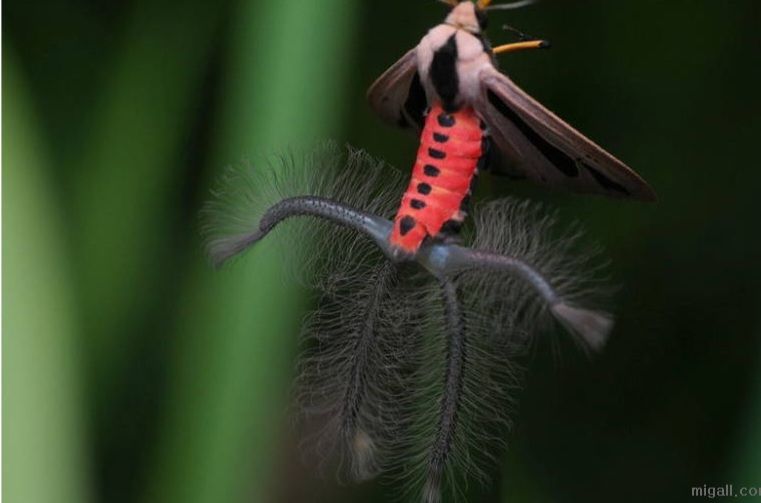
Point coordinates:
pixel 133 372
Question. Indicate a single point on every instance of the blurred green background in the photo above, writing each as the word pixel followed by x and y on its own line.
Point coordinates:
pixel 133 372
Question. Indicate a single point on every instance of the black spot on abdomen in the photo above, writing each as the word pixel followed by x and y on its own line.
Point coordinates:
pixel 446 120
pixel 437 154
pixel 430 170
pixel 406 224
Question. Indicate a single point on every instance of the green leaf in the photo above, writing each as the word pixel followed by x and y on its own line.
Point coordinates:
pixel 129 175
pixel 43 433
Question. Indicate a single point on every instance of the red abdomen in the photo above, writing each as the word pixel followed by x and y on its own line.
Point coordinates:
pixel 451 146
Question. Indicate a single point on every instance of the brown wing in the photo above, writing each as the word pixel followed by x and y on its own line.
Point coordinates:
pixel 397 96
pixel 533 142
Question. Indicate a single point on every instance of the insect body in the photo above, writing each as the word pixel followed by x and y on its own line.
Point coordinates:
pixel 452 147
pixel 453 69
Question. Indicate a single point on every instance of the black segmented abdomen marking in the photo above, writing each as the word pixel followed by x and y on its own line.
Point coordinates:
pixel 446 120
pixel 431 171
pixel 406 225
pixel 446 165
pixel 437 154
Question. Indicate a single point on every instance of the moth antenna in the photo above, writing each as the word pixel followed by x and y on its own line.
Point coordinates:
pixel 451 3
pixel 487 6
pixel 521 46
pixel 521 35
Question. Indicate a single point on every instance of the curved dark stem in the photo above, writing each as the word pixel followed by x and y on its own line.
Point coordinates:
pixel 375 227
pixel 453 382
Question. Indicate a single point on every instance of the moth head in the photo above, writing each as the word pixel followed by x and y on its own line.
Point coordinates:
pixel 466 16
pixel 471 16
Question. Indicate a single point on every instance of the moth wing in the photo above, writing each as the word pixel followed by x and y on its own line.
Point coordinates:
pixel 534 143
pixel 398 96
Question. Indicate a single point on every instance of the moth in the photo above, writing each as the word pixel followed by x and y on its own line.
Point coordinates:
pixel 449 88
pixel 409 368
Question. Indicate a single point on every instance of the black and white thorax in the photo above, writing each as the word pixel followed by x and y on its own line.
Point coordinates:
pixel 450 60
